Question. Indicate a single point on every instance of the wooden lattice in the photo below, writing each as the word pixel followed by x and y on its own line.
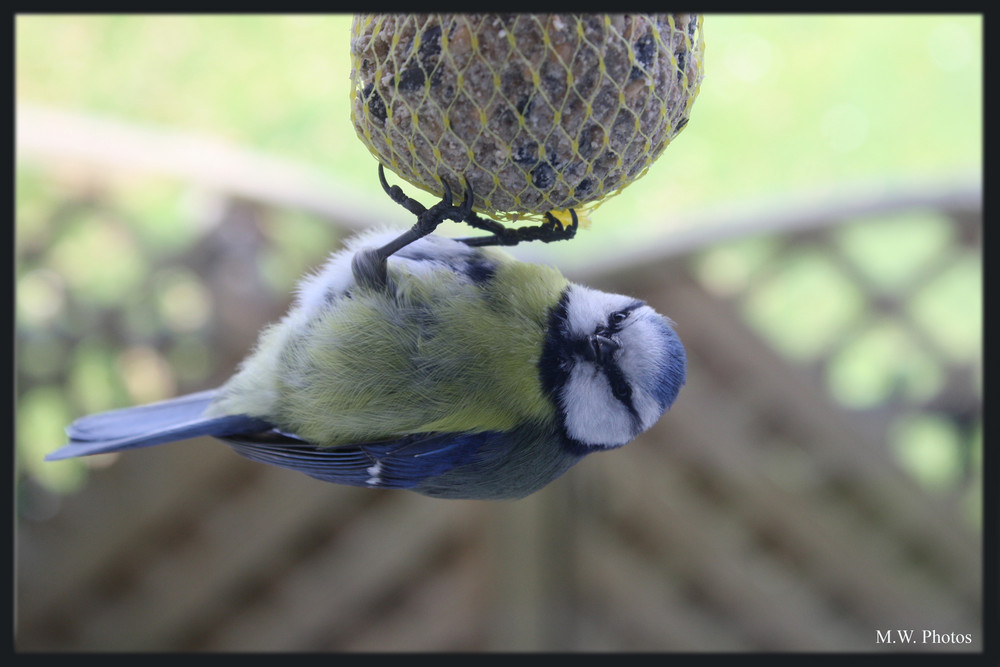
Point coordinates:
pixel 759 514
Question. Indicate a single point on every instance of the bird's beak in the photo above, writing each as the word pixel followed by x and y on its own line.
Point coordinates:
pixel 600 348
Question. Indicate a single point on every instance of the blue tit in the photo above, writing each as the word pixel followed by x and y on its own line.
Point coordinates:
pixel 433 365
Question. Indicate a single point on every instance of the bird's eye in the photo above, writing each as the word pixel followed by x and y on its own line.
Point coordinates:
pixel 616 319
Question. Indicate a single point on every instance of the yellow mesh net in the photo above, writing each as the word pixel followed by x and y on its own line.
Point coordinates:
pixel 539 112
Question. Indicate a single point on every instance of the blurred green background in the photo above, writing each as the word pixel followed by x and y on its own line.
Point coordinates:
pixel 813 104
pixel 789 102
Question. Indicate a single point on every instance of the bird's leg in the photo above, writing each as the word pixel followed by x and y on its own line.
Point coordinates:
pixel 369 266
pixel 548 231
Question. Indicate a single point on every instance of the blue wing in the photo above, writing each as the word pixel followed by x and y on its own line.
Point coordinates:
pixel 154 424
pixel 399 464
pixel 396 464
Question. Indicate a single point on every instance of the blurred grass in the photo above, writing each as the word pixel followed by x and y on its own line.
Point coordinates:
pixel 790 103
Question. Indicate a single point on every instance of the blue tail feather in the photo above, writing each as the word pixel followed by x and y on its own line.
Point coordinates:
pixel 154 424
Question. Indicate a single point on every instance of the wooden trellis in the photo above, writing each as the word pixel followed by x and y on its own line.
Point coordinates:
pixel 758 515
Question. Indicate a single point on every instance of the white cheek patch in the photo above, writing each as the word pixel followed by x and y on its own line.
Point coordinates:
pixel 647 407
pixel 593 415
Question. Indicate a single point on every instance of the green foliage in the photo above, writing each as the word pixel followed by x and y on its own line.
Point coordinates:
pixel 805 305
pixel 788 102
pixel 886 309
pixel 893 251
pixel 951 306
pixel 883 365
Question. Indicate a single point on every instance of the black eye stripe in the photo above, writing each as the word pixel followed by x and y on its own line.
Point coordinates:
pixel 620 387
pixel 617 318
